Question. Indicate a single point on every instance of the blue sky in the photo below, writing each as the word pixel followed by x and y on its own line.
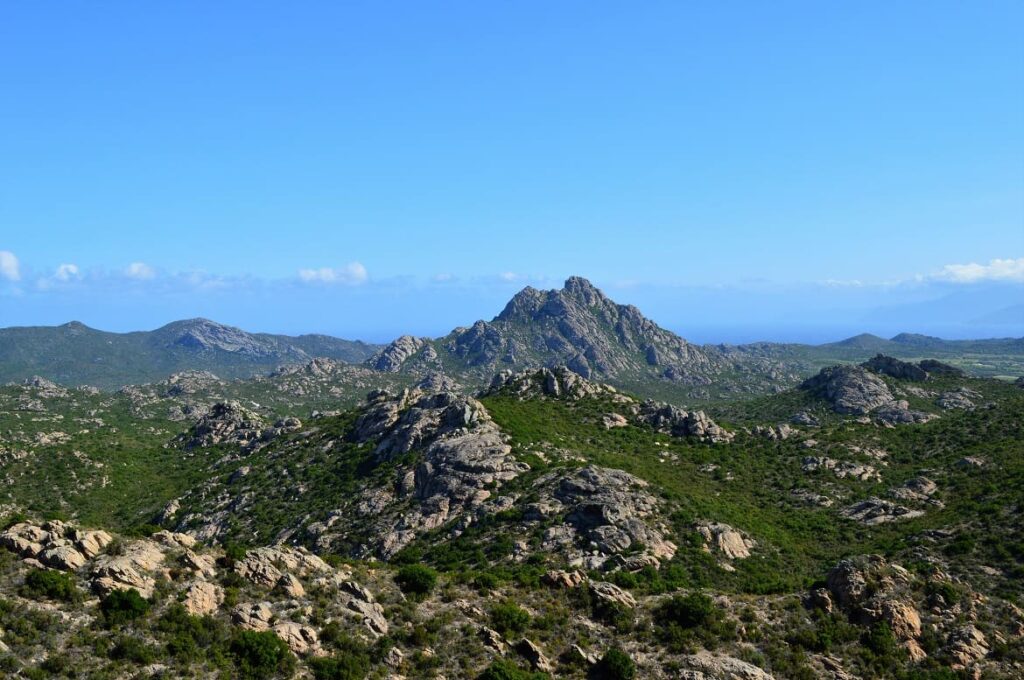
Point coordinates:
pixel 369 169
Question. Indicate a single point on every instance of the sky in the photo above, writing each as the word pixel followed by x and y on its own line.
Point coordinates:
pixel 739 171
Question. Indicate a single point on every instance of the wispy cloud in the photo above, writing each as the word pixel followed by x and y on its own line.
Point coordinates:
pixel 140 271
pixel 67 272
pixel 353 273
pixel 9 267
pixel 996 270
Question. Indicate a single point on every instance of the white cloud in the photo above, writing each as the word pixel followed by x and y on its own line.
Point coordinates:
pixel 67 272
pixel 443 278
pixel 139 271
pixel 995 270
pixel 509 276
pixel 9 268
pixel 351 274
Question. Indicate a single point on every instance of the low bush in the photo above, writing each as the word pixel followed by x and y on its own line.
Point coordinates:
pixel 121 606
pixel 616 665
pixel 416 579
pixel 52 585
pixel 260 655
pixel 509 617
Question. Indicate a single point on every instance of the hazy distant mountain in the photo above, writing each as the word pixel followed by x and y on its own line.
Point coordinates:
pixel 74 354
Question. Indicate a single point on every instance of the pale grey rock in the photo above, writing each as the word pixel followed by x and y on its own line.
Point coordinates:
pixel 850 389
pixel 877 511
pixel 391 358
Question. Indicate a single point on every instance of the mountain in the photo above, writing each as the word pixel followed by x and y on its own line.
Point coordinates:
pixel 74 354
pixel 579 327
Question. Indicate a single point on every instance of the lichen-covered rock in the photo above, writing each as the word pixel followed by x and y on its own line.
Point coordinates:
pixel 681 423
pixel 711 666
pixel 877 511
pixel 391 358
pixel 606 512
pixel 959 398
pixel 226 423
pixel 850 389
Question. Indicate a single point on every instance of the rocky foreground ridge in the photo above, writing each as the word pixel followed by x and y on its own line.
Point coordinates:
pixel 548 523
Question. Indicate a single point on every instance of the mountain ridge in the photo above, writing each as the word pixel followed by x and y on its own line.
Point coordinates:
pixel 76 354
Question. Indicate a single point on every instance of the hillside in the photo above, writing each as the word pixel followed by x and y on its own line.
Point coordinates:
pixel 859 525
pixel 74 354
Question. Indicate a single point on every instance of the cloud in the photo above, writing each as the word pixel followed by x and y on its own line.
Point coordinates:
pixel 9 268
pixel 139 271
pixel 509 276
pixel 995 270
pixel 352 274
pixel 67 272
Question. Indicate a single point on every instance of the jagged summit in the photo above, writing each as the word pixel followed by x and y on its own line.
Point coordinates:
pixel 577 326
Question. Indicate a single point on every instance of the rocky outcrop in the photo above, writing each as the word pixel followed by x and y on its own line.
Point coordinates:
pixel 841 469
pixel 464 458
pixel 681 423
pixel 604 514
pixel 706 665
pixel 900 413
pixel 901 370
pixel 918 490
pixel 534 656
pixel 45 389
pixel 723 540
pixel 391 358
pixel 780 432
pixel 854 390
pixel 850 390
pixel 202 598
pixel 226 423
pixel 54 543
pixel 966 645
pixel 959 398
pixel 131 568
pixel 558 383
pixel 877 511
pixel 870 589
pixel 564 383
pixel 301 639
pixel 938 368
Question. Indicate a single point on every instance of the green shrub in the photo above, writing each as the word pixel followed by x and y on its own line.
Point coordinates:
pixel 54 585
pixel 261 655
pixel 343 666
pixel 192 638
pixel 132 649
pixel 416 579
pixel 683 620
pixel 506 670
pixel 880 640
pixel 509 617
pixel 616 665
pixel 121 606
